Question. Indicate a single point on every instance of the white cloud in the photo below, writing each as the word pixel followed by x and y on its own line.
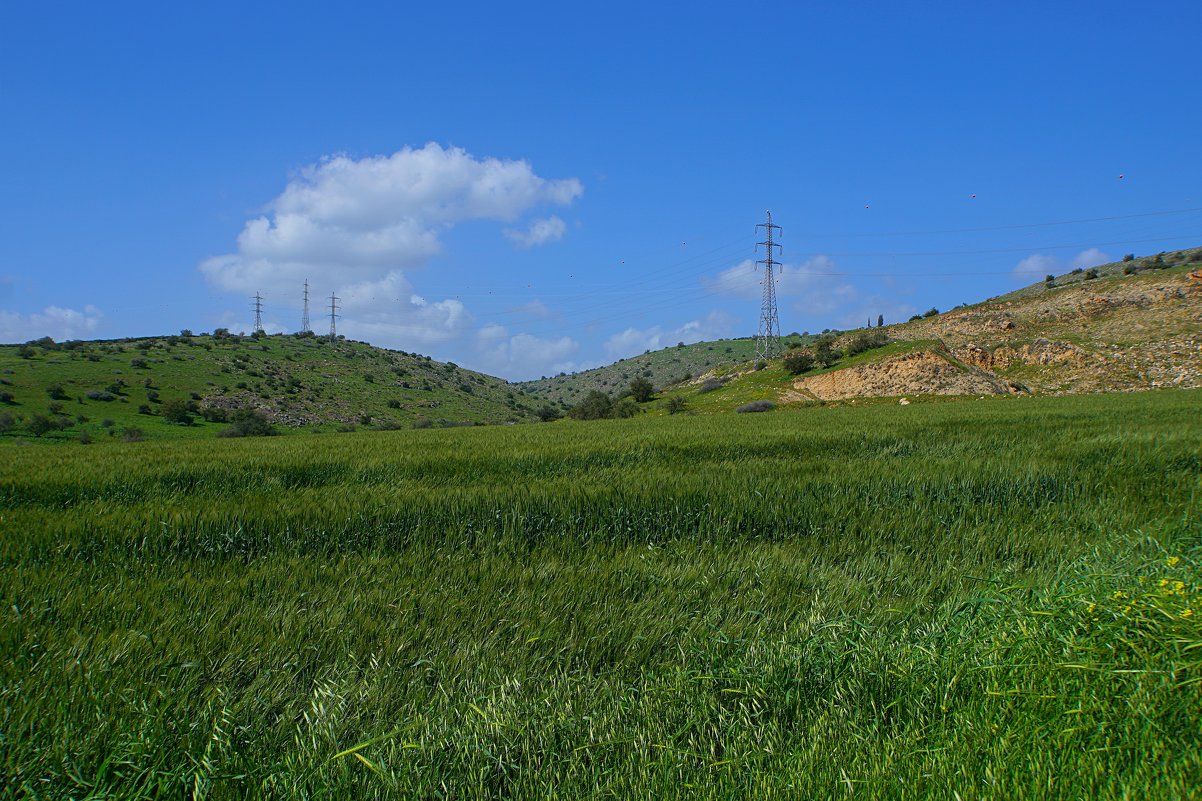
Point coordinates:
pixel 1035 267
pixel 389 313
pixel 540 232
pixel 358 220
pixel 1091 258
pixel 633 341
pixel 535 308
pixel 745 279
pixel 523 356
pixel 53 321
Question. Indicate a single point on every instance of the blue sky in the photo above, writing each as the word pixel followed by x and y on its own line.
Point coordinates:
pixel 530 188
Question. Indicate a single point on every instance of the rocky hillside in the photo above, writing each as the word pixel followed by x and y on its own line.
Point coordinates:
pixel 105 388
pixel 1130 325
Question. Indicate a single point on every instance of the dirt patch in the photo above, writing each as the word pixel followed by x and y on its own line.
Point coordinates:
pixel 921 373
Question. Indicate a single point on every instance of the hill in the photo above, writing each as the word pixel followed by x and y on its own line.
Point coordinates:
pixel 664 367
pixel 133 386
pixel 1125 326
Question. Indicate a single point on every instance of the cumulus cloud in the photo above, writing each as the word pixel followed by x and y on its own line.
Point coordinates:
pixel 388 312
pixel 633 341
pixel 523 356
pixel 1036 266
pixel 53 321
pixel 1091 258
pixel 814 283
pixel 535 308
pixel 360 219
pixel 540 232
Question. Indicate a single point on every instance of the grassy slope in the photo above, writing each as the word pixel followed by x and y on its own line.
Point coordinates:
pixel 664 367
pixel 773 383
pixel 989 599
pixel 303 382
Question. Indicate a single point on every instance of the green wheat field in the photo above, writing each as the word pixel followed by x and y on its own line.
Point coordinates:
pixel 995 599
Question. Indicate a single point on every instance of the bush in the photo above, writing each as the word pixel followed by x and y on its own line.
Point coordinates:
pixel 1091 274
pixel 1050 280
pixel 177 411
pixel 132 434
pixel 867 341
pixel 756 406
pixel 7 423
pixel 761 364
pixel 393 403
pixel 7 398
pixel 914 317
pixel 824 352
pixel 627 407
pixel 931 312
pixel 40 425
pixel 56 392
pixel 1129 257
pixel 595 406
pixel 214 414
pixel 138 363
pixel 25 352
pixel 145 409
pixel 710 384
pixel 675 404
pixel 248 423
pixel 641 390
pixel 423 422
pixel 798 361
pixel 85 438
pixel 547 413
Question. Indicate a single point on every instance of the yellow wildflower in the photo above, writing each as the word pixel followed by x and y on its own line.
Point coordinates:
pixel 1178 586
pixel 1118 594
pixel 1172 561
pixel 1188 613
pixel 1162 583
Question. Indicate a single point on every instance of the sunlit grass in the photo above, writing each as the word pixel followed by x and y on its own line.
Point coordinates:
pixel 997 599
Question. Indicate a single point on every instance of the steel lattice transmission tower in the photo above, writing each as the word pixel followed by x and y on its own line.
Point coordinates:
pixel 333 317
pixel 305 315
pixel 768 337
pixel 258 329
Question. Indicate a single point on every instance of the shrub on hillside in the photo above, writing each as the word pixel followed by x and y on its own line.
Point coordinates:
pixel 595 406
pixel 641 390
pixel 248 423
pixel 711 384
pixel 798 361
pixel 626 407
pixel 56 392
pixel 547 413
pixel 931 312
pixel 824 352
pixel 756 406
pixel 132 434
pixel 177 411
pixel 867 341
pixel 676 404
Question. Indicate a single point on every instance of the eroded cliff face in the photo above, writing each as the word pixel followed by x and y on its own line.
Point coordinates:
pixel 920 373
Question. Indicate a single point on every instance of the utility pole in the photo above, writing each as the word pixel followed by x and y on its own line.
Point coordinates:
pixel 333 317
pixel 305 316
pixel 258 329
pixel 767 338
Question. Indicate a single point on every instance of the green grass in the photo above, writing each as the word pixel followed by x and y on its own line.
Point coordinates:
pixel 305 384
pixel 995 599
pixel 662 368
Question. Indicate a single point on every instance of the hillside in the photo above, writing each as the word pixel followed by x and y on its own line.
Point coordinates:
pixel 664 367
pixel 112 388
pixel 1125 326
